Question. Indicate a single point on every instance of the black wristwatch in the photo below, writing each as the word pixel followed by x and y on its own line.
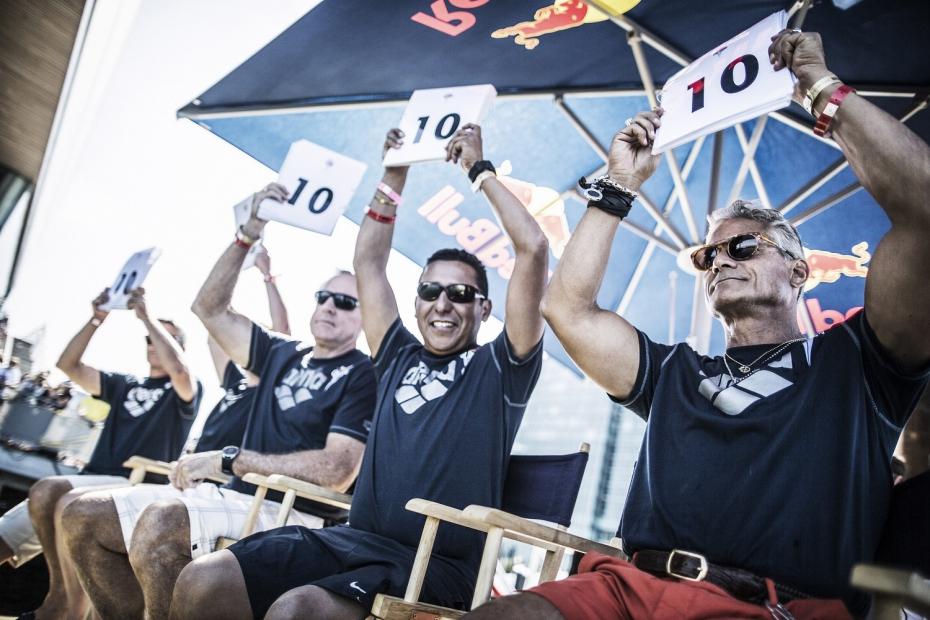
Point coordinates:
pixel 230 454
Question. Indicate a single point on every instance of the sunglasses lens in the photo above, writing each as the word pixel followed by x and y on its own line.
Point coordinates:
pixel 344 302
pixel 460 293
pixel 703 259
pixel 322 296
pixel 429 291
pixel 742 247
pixel 148 340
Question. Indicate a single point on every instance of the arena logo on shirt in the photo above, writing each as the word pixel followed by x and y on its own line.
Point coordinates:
pixel 232 395
pixel 300 383
pixel 733 397
pixel 421 385
pixel 141 399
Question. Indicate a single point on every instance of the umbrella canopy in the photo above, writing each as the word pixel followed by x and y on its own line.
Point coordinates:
pixel 568 74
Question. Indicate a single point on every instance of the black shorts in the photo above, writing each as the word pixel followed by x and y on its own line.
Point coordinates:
pixel 351 563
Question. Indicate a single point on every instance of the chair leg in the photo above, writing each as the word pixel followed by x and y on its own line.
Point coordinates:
pixel 137 475
pixel 421 561
pixel 492 548
pixel 249 526
pixel 550 567
pixel 286 504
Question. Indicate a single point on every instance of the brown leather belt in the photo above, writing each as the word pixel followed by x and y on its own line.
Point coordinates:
pixel 690 566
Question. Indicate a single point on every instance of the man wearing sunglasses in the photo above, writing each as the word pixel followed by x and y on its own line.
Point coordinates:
pixel 764 475
pixel 310 418
pixel 447 415
pixel 149 417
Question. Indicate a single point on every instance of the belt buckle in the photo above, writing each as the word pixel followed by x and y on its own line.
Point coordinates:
pixel 702 572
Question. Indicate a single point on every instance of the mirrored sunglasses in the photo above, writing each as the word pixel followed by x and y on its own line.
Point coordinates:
pixel 340 300
pixel 738 247
pixel 456 293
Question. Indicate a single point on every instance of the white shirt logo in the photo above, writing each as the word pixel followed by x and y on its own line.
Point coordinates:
pixel 141 399
pixel 733 397
pixel 299 384
pixel 421 385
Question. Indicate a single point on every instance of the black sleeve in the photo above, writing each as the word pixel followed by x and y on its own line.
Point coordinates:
pixel 894 392
pixel 519 375
pixel 652 357
pixel 113 386
pixel 232 376
pixel 396 338
pixel 357 406
pixel 188 410
pixel 260 347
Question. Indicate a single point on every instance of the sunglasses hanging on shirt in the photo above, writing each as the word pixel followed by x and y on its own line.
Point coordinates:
pixel 456 293
pixel 340 300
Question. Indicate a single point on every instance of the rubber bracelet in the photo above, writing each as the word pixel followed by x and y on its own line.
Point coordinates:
pixel 96 322
pixel 478 167
pixel 243 239
pixel 380 217
pixel 270 279
pixel 814 91
pixel 384 201
pixel 385 189
pixel 242 244
pixel 476 184
pixel 822 127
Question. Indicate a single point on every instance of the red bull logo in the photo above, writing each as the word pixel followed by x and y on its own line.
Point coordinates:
pixel 562 15
pixel 829 266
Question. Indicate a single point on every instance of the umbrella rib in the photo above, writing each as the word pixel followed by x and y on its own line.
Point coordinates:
pixel 826 203
pixel 748 163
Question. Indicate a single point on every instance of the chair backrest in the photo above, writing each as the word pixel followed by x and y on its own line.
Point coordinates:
pixel 545 487
pixel 905 539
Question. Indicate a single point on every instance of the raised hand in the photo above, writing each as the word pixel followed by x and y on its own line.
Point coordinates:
pixel 465 146
pixel 99 301
pixel 393 140
pixel 136 303
pixel 631 161
pixel 802 53
pixel 256 225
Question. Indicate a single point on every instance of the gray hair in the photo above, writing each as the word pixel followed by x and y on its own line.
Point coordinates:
pixel 780 229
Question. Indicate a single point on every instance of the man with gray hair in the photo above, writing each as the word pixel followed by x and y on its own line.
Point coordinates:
pixel 765 472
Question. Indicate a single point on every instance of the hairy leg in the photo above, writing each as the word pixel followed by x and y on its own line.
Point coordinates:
pixel 159 550
pixel 210 587
pixel 526 605
pixel 65 599
pixel 315 602
pixel 43 498
pixel 94 541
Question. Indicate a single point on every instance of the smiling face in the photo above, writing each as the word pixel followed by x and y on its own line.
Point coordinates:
pixel 330 326
pixel 450 327
pixel 736 289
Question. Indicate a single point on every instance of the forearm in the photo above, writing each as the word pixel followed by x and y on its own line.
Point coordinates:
pixel 279 319
pixel 71 357
pixel 373 246
pixel 525 235
pixel 167 348
pixel 215 295
pixel 322 467
pixel 890 160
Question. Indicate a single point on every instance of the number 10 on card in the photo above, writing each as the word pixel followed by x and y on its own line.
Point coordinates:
pixel 321 183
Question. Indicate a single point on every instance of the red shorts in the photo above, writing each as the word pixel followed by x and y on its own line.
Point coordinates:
pixel 606 588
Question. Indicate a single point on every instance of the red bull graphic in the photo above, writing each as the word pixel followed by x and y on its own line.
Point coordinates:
pixel 829 266
pixel 561 15
pixel 446 21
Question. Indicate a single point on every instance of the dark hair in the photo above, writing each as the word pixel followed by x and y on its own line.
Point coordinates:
pixel 461 256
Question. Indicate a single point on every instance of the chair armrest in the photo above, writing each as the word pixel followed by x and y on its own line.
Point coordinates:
pixel 536 533
pixel 911 589
pixel 147 464
pixel 310 491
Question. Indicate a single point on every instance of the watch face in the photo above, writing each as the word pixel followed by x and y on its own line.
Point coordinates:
pixel 230 452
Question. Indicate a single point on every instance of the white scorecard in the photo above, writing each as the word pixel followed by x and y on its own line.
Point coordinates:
pixel 131 276
pixel 321 183
pixel 730 84
pixel 433 115
pixel 242 210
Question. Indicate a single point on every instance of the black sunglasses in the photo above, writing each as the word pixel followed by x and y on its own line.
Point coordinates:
pixel 340 300
pixel 739 247
pixel 456 293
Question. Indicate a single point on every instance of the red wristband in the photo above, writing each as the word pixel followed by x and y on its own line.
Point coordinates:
pixel 242 244
pixel 379 217
pixel 826 117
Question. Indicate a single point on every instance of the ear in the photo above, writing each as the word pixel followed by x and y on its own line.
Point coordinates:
pixel 800 271
pixel 485 309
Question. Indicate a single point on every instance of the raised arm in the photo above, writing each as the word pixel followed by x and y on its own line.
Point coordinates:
pixel 219 357
pixel 603 344
pixel 168 350
pixel 522 318
pixel 279 320
pixel 372 249
pixel 232 330
pixel 70 361
pixel 893 165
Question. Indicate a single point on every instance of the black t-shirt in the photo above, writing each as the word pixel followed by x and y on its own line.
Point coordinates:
pixel 301 399
pixel 787 473
pixel 443 432
pixel 147 418
pixel 225 425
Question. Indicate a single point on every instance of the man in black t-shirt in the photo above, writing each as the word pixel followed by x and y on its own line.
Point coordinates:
pixel 764 474
pixel 447 414
pixel 310 418
pixel 149 417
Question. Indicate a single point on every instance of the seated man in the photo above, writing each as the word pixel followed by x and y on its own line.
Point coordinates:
pixel 310 419
pixel 766 470
pixel 448 412
pixel 150 417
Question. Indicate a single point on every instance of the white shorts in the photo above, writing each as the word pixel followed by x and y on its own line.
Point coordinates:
pixel 16 528
pixel 214 512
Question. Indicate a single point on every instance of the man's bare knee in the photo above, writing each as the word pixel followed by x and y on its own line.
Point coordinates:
pixel 212 586
pixel 91 518
pixel 317 602
pixel 525 605
pixel 163 529
pixel 44 494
